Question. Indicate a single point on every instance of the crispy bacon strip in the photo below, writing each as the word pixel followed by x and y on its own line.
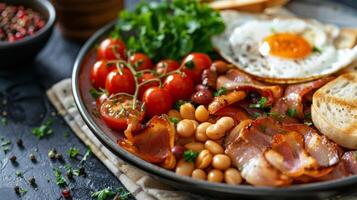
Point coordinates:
pixel 154 142
pixel 347 167
pixel 237 80
pixel 293 150
pixel 294 96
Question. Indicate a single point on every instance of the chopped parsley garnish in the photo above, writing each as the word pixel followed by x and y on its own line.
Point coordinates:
pixel 174 120
pixel 190 156
pixel 86 155
pixel 316 49
pixel 178 104
pixel 292 112
pixel 44 130
pixel 73 152
pixel 18 173
pixel 60 180
pixel 4 121
pixel 277 116
pixel 261 103
pixel 5 144
pixel 97 93
pixel 256 115
pixel 220 91
pixel 23 191
pixel 108 193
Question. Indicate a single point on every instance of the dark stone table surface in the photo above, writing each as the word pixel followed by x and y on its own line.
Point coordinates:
pixel 23 102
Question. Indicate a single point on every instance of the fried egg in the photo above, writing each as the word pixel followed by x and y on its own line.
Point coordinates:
pixel 285 50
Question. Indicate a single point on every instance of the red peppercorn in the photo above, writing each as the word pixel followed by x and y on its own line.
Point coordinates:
pixel 66 193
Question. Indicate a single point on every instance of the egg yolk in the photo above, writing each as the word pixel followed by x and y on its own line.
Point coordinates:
pixel 286 45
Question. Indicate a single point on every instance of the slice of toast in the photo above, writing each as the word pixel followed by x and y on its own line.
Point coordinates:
pixel 246 5
pixel 334 110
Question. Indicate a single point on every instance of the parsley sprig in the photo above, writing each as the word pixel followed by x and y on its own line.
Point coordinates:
pixel 190 156
pixel 108 192
pixel 73 152
pixel 43 130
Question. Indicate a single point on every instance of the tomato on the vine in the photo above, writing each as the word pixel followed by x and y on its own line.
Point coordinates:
pixel 117 111
pixel 146 77
pixel 99 72
pixel 180 86
pixel 166 66
pixel 120 82
pixel 194 64
pixel 140 61
pixel 157 101
pixel 111 49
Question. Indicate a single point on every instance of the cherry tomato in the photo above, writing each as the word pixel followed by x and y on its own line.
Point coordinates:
pixel 170 65
pixel 99 73
pixel 117 111
pixel 111 49
pixel 99 101
pixel 157 101
pixel 194 64
pixel 120 82
pixel 140 61
pixel 180 86
pixel 145 77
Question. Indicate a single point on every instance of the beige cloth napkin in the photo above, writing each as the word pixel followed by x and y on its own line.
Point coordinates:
pixel 142 186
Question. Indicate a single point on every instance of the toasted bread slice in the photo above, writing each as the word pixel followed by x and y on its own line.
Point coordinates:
pixel 334 110
pixel 246 5
pixel 347 38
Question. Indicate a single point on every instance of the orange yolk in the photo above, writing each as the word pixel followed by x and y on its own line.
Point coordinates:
pixel 287 45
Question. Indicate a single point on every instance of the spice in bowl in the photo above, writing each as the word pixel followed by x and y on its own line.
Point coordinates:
pixel 18 22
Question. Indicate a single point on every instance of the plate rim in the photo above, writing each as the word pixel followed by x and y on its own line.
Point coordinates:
pixel 167 175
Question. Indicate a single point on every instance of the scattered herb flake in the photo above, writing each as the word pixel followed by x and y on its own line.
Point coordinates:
pixel 44 130
pixel 23 191
pixel 6 143
pixel 60 180
pixel 220 91
pixel 4 121
pixel 261 103
pixel 277 116
pixel 103 194
pixel 190 156
pixel 86 155
pixel 256 115
pixel 18 173
pixel 66 135
pixel 73 152
pixel 94 93
pixel 292 112
pixel 174 120
pixel 178 104
pixel 316 49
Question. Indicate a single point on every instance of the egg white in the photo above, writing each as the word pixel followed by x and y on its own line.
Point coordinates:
pixel 247 51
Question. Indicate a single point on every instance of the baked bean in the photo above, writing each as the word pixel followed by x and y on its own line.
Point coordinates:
pixel 199 174
pixel 201 131
pixel 203 159
pixel 221 161
pixel 215 175
pixel 201 114
pixel 213 147
pixel 232 176
pixel 226 122
pixel 202 97
pixel 185 128
pixel 215 132
pixel 195 123
pixel 195 146
pixel 187 111
pixel 174 114
pixel 184 168
pixel 170 162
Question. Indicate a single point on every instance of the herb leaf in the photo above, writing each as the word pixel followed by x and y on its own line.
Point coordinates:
pixel 44 130
pixel 190 156
pixel 261 103
pixel 60 180
pixel 73 152
pixel 103 194
pixel 220 91
pixel 174 120
pixel 86 155
pixel 170 29
pixel 292 112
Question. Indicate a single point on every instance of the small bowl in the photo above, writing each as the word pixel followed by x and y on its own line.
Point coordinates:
pixel 14 54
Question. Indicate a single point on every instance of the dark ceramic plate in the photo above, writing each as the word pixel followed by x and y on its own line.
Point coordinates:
pixel 81 86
